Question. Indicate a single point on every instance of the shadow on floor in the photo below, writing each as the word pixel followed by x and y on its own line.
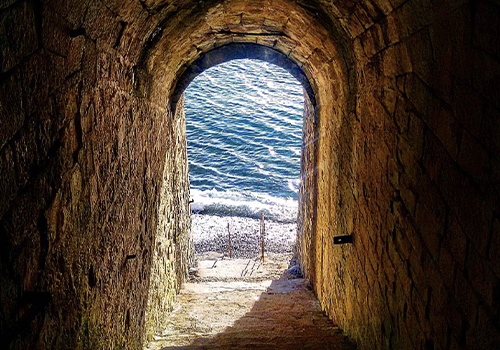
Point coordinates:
pixel 286 316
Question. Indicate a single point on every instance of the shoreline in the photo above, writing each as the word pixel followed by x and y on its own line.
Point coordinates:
pixel 210 234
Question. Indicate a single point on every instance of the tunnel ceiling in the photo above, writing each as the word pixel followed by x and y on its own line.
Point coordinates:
pixel 302 31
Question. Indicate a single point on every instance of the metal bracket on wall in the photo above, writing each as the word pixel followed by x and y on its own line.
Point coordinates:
pixel 342 239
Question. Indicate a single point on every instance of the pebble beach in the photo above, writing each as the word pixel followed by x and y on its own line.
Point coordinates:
pixel 210 234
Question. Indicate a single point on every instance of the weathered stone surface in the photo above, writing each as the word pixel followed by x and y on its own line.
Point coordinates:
pixel 19 35
pixel 254 312
pixel 400 150
pixel 400 246
pixel 174 250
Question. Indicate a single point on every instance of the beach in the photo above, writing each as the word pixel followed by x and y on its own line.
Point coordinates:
pixel 210 234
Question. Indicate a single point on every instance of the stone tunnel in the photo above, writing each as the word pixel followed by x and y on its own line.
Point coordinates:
pixel 401 145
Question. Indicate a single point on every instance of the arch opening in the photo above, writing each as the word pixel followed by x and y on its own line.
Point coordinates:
pixel 244 132
pixel 250 50
pixel 407 103
pixel 234 51
pixel 225 211
pixel 175 102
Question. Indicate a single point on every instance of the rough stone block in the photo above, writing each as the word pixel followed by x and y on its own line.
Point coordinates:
pixel 12 111
pixel 490 129
pixel 19 37
pixel 447 266
pixel 408 193
pixel 26 151
pixel 73 12
pixel 471 210
pixel 362 15
pixel 468 107
pixel 390 27
pixel 481 276
pixel 484 333
pixel 101 23
pixel 487 28
pixel 474 159
pixel 55 32
pixel 35 81
pixel 373 40
pixel 446 128
pixel 89 65
pixel 457 240
pixel 8 185
pixel 418 19
pixel 430 213
pixel 127 10
pixel 421 54
pixel 486 78
pixel 434 155
pixel 75 53
pixel 396 60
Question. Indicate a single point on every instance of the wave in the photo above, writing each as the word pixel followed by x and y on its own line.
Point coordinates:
pixel 245 204
pixel 244 133
pixel 293 185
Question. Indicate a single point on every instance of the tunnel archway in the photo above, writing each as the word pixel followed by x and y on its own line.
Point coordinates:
pixel 407 112
pixel 233 51
pixel 299 38
pixel 307 194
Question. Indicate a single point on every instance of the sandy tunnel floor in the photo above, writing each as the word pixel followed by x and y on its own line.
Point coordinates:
pixel 246 304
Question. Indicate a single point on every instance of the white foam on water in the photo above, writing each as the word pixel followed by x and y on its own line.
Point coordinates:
pixel 244 135
pixel 247 204
pixel 293 185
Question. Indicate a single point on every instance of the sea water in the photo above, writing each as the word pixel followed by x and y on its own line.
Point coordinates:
pixel 244 133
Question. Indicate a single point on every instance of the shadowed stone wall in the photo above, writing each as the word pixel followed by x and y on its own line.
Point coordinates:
pixel 173 252
pixel 405 159
pixel 413 175
pixel 83 153
pixel 306 219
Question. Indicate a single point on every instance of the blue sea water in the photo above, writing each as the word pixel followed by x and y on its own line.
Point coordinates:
pixel 244 131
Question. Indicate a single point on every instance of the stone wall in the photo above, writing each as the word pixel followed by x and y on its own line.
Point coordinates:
pixel 174 250
pixel 413 175
pixel 405 159
pixel 83 155
pixel 306 220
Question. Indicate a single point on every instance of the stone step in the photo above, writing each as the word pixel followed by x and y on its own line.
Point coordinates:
pixel 236 313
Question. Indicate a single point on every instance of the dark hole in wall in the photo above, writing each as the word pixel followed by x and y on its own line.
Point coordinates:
pixel 92 278
pixel 77 32
pixel 61 263
pixel 122 26
pixel 127 320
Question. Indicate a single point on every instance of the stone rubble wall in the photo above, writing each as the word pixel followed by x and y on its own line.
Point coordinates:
pixel 83 155
pixel 174 250
pixel 306 218
pixel 405 158
pixel 414 176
